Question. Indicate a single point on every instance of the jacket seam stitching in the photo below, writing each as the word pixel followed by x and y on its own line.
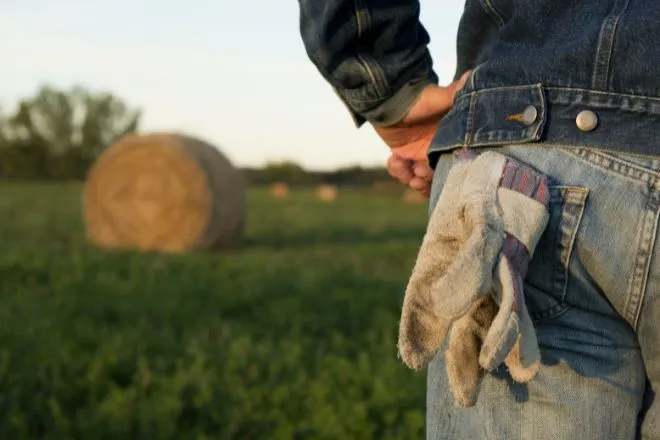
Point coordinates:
pixel 362 20
pixel 603 93
pixel 470 121
pixel 603 58
pixel 489 7
pixel 384 96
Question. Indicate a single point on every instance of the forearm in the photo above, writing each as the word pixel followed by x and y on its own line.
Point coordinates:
pixel 372 52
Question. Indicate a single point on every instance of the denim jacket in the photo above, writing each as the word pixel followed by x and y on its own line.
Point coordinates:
pixel 565 72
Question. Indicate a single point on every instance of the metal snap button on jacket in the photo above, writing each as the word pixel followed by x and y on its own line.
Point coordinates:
pixel 529 115
pixel 586 120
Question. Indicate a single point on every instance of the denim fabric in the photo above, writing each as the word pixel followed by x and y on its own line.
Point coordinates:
pixel 373 53
pixel 490 117
pixel 559 56
pixel 592 291
pixel 572 88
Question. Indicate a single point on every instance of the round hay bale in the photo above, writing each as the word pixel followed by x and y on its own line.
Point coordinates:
pixel 279 190
pixel 164 192
pixel 413 197
pixel 326 193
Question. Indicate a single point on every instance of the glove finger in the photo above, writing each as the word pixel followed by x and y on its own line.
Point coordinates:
pixel 421 330
pixel 506 328
pixel 511 338
pixel 463 370
pixel 526 358
pixel 421 334
pixel 520 372
pixel 461 357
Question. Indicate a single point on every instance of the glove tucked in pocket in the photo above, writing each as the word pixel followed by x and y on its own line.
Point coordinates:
pixel 448 276
pixel 523 197
pixel 469 271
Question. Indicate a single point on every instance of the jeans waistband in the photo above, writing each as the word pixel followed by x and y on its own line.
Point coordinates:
pixel 562 116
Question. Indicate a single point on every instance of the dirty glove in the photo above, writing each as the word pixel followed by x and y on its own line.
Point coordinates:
pixel 495 219
pixel 523 198
pixel 462 354
pixel 499 329
pixel 454 265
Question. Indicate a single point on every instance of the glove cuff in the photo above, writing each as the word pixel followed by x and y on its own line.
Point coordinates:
pixel 523 196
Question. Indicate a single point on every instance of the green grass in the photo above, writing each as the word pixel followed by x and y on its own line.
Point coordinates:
pixel 292 336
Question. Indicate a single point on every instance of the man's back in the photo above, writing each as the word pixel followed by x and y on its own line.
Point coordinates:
pixel 603 45
pixel 580 64
pixel 570 89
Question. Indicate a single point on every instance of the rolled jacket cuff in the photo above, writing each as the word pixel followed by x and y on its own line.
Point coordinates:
pixel 393 109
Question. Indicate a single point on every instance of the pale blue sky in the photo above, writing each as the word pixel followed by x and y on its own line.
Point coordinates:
pixel 233 72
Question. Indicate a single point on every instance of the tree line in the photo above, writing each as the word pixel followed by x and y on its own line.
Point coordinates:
pixel 58 133
pixel 295 175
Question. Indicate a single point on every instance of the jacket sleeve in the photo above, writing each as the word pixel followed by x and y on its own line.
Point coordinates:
pixel 373 53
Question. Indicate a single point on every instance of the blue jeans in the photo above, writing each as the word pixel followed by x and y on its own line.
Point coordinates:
pixel 592 290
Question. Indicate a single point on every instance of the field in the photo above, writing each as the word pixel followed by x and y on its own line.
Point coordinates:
pixel 291 336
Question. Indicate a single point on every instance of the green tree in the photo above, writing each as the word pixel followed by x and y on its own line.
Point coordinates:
pixel 288 172
pixel 67 128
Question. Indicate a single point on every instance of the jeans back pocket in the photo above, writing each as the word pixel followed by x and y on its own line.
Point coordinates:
pixel 546 284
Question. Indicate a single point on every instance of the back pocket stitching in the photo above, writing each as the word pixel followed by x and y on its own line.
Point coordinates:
pixel 573 203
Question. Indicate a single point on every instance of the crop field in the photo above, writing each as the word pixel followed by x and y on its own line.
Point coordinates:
pixel 291 336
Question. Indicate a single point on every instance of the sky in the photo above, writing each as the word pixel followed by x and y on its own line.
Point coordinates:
pixel 232 72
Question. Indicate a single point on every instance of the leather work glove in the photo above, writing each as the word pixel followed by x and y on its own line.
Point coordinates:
pixel 469 271
pixel 523 198
pixel 448 276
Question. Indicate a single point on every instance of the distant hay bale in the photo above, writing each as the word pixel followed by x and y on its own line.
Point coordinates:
pixel 326 193
pixel 164 192
pixel 412 196
pixel 279 190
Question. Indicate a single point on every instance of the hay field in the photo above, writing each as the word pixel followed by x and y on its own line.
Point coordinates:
pixel 291 336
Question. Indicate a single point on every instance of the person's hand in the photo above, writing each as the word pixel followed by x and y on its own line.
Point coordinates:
pixel 410 138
